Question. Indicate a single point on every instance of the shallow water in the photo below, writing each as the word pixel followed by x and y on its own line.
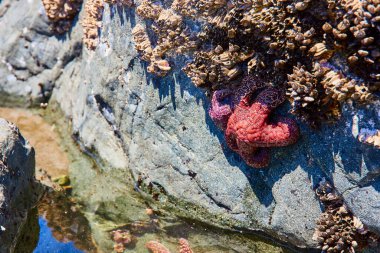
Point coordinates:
pixel 64 225
pixel 48 243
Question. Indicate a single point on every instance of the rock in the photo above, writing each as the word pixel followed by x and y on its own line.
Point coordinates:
pixel 158 131
pixel 18 189
pixel 30 53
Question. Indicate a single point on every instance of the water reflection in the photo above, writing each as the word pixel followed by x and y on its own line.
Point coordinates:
pixel 63 228
pixel 47 242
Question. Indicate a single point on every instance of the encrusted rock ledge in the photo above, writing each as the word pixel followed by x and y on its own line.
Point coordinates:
pixel 159 131
pixel 19 191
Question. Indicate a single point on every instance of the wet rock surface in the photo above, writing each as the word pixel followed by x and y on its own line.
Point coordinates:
pixel 18 190
pixel 158 131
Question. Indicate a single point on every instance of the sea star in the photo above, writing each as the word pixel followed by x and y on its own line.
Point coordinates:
pixel 156 247
pixel 249 132
pixel 184 246
pixel 224 101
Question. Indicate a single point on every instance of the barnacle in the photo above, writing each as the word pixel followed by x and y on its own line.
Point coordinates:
pixel 185 7
pixel 92 20
pixel 144 47
pixel 338 230
pixel 303 87
pixel 320 52
pixel 318 95
pixel 341 88
pixel 372 138
pixel 354 25
pixel 149 9
pixel 304 94
pixel 172 37
pixel 128 3
pixel 61 13
pixel 142 42
pixel 217 66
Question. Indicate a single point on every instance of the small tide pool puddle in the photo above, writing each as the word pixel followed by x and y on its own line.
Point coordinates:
pixel 58 224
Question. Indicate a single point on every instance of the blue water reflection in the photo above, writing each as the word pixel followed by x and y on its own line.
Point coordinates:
pixel 48 244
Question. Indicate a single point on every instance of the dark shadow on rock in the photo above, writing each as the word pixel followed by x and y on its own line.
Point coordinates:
pixel 130 15
pixel 120 11
pixel 29 236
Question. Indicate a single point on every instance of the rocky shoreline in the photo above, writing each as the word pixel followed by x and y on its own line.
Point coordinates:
pixel 155 134
pixel 19 188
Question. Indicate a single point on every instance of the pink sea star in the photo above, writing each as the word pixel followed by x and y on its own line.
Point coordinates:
pixel 156 247
pixel 249 132
pixel 224 101
pixel 184 246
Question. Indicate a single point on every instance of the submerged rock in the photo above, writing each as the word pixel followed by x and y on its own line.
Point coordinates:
pixel 18 190
pixel 159 131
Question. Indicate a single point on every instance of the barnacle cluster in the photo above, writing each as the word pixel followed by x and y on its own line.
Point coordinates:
pixel 327 52
pixel 305 94
pixel 61 13
pixel 338 230
pixel 354 26
pixel 91 22
pixel 317 94
pixel 217 66
pixel 173 36
pixel 92 19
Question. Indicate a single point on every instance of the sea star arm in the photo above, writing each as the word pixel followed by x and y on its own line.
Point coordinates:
pixel 253 156
pixel 279 134
pixel 220 109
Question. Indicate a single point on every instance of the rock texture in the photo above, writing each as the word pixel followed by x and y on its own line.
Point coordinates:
pixel 158 130
pixel 18 189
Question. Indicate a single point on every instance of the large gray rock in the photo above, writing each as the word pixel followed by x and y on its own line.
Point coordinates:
pixel 158 131
pixel 18 189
